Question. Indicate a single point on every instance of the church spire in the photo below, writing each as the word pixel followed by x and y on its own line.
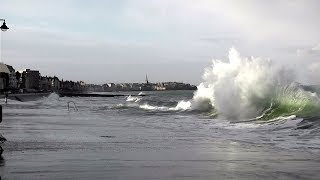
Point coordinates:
pixel 147 79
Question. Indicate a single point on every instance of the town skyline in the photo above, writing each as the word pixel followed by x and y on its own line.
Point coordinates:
pixel 105 82
pixel 32 81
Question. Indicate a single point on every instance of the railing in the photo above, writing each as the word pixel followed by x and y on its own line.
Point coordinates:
pixel 74 105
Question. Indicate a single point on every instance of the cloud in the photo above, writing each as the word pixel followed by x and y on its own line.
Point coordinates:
pixel 221 40
pixel 316 48
pixel 309 51
pixel 150 31
pixel 72 55
pixel 257 20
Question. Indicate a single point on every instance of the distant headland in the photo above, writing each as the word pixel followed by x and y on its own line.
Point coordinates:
pixel 31 81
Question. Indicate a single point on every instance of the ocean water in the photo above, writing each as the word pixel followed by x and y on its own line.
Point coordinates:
pixel 142 138
pixel 249 119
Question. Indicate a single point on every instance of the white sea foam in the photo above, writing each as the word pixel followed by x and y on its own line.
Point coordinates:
pixel 140 93
pixel 133 99
pixel 237 88
pixel 182 105
pixel 150 107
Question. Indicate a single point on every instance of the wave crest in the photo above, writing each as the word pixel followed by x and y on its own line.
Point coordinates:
pixel 244 88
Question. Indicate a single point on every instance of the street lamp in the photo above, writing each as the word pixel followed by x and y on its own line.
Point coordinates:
pixel 4 27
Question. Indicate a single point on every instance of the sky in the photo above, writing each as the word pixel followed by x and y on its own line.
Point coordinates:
pixel 170 40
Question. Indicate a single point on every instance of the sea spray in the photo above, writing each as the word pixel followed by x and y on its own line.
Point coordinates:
pixel 245 88
pixel 52 99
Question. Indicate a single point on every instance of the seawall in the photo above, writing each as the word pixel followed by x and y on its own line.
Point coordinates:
pixel 26 96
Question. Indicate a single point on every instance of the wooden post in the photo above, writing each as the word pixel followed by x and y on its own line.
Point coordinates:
pixel 6 98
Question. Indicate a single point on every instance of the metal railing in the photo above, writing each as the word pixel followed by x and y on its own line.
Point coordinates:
pixel 74 105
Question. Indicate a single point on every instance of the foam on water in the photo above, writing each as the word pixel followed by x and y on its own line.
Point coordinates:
pixel 150 107
pixel 182 105
pixel 133 99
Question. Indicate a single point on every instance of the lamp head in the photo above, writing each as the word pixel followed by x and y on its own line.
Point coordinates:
pixel 4 27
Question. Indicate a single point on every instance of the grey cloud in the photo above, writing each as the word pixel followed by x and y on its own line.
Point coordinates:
pixel 221 40
pixel 87 58
pixel 157 32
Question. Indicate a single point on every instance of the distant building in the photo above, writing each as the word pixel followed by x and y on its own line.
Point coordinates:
pixel 4 77
pixel 160 87
pixel 79 86
pixel 44 83
pixel 66 85
pixel 31 79
pixel 82 83
pixel 13 82
pixel 110 87
pixel 54 83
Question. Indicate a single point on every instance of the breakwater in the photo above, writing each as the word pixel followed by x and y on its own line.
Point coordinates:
pixel 26 96
pixel 94 95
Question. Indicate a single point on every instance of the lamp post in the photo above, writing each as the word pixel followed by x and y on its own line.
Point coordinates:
pixel 3 28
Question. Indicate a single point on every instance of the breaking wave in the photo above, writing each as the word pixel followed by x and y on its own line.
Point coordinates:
pixel 252 88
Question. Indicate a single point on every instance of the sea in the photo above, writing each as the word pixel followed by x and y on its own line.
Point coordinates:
pixel 248 120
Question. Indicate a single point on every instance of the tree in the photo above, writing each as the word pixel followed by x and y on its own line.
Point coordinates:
pixel 18 75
